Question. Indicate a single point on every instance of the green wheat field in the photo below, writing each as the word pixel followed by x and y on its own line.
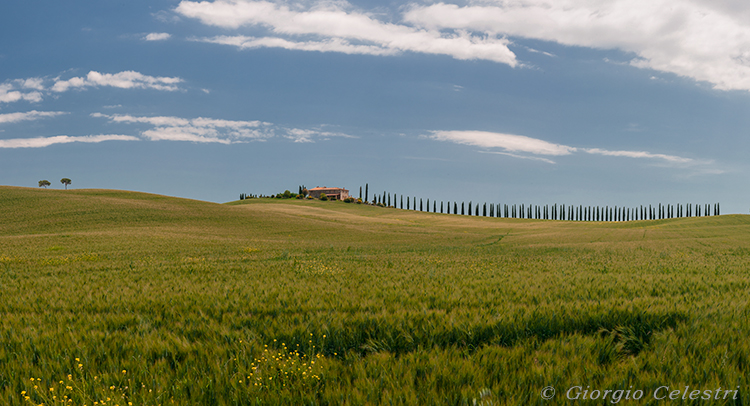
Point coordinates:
pixel 119 298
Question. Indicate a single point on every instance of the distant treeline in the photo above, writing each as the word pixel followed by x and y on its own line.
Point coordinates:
pixel 545 212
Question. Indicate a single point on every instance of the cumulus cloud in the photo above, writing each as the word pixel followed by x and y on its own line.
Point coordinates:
pixel 705 41
pixel 334 27
pixel 9 94
pixel 34 89
pixel 518 146
pixel 157 36
pixel 28 116
pixel 122 80
pixel 40 142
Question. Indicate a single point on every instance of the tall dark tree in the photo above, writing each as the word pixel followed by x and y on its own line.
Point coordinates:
pixel 360 192
pixel 402 202
pixel 389 200
pixel 367 187
pixel 420 205
pixel 434 206
pixel 441 207
pixel 455 207
pixel 428 205
pixel 462 208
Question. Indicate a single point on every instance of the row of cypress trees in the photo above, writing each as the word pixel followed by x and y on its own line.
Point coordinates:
pixel 547 212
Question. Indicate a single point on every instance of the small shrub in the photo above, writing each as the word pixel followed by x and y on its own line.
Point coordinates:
pixel 349 200
pixel 323 197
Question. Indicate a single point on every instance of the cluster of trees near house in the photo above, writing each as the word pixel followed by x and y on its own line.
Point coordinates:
pixel 65 181
pixel 524 211
pixel 303 193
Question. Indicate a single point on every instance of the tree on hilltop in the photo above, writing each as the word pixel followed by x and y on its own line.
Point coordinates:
pixel 44 183
pixel 66 182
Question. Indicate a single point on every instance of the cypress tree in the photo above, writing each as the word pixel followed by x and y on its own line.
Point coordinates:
pixel 462 208
pixel 484 210
pixel 718 209
pixel 360 192
pixel 402 202
pixel 469 211
pixel 367 186
pixel 455 207
pixel 428 205
pixel 420 204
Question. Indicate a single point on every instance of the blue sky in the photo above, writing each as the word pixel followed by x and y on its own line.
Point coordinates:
pixel 526 101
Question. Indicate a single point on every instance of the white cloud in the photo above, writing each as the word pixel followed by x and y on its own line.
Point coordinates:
pixel 332 45
pixel 203 130
pixel 34 89
pixel 122 80
pixel 508 142
pixel 533 158
pixel 32 83
pixel 8 94
pixel 335 28
pixel 40 142
pixel 210 130
pixel 639 154
pixel 302 135
pixel 157 36
pixel 28 116
pixel 516 145
pixel 705 41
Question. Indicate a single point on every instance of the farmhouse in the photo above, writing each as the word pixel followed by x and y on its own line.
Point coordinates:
pixel 335 193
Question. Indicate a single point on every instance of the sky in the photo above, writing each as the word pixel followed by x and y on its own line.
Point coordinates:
pixel 587 102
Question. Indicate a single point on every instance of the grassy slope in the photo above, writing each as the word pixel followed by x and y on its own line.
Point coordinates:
pixel 415 307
